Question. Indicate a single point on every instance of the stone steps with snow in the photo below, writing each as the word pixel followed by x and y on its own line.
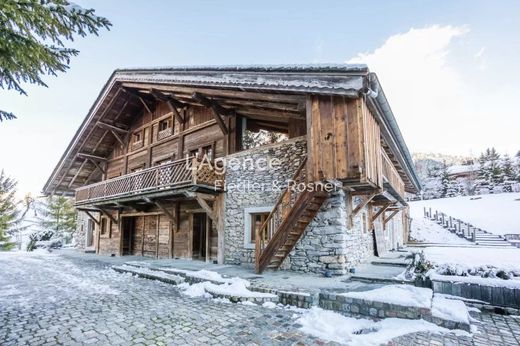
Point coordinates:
pixel 400 301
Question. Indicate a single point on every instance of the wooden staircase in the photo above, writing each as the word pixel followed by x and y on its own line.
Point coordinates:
pixel 286 223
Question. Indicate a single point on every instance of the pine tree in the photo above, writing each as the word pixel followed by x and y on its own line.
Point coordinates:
pixel 8 209
pixel 445 181
pixel 32 40
pixel 56 214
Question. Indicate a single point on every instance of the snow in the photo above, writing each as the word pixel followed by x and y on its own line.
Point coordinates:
pixel 404 295
pixel 235 289
pixel 144 270
pixel 449 309
pixel 427 231
pixel 467 258
pixel 332 326
pixel 495 213
pixel 269 305
pixel 493 282
pixel 234 286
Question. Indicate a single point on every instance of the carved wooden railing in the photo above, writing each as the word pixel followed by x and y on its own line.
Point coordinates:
pixel 391 175
pixel 175 174
pixel 267 232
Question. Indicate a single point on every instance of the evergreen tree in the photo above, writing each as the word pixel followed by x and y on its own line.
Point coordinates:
pixel 8 209
pixel 445 181
pixel 32 40
pixel 57 215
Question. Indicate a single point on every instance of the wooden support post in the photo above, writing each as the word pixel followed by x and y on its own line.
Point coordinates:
pixel 219 212
pixel 390 217
pixel 208 232
pixel 120 231
pixel 157 236
pixel 96 221
pixel 107 214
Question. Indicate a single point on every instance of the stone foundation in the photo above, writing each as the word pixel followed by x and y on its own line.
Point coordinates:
pixel 328 245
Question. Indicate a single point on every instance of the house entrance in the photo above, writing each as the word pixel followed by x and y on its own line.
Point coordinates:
pixel 128 229
pixel 200 236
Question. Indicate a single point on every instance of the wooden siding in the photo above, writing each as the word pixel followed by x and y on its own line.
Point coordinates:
pixel 344 141
pixel 199 130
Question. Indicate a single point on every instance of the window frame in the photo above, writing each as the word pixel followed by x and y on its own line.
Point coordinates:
pixel 248 213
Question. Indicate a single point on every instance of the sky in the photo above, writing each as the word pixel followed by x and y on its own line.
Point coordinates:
pixel 450 69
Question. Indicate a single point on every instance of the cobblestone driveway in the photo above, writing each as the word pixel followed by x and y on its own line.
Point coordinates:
pixel 51 299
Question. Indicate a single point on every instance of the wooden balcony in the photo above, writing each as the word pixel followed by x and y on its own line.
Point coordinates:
pixel 391 177
pixel 172 176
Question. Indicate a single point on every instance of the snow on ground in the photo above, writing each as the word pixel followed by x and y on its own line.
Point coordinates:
pixel 449 309
pixel 468 258
pixel 235 286
pixel 496 213
pixel 357 331
pixel 404 295
pixel 427 231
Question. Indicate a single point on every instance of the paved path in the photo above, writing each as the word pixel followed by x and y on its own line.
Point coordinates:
pixel 54 299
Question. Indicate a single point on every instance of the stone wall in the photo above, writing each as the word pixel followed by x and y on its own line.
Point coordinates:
pixel 241 197
pixel 328 245
pixel 79 239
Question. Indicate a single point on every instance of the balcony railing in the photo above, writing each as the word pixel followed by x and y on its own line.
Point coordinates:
pixel 391 175
pixel 176 174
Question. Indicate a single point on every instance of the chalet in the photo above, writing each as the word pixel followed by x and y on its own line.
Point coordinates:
pixel 193 162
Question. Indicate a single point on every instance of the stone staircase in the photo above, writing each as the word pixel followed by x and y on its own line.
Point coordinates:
pixel 484 238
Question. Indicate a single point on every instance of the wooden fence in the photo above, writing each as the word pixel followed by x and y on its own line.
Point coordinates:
pixel 454 225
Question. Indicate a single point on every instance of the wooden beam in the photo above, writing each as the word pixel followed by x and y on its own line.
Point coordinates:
pixel 111 127
pixel 119 139
pixel 140 98
pixel 77 173
pixel 363 203
pixel 215 108
pixel 107 214
pixel 390 217
pixel 166 212
pixel 92 217
pixel 209 103
pixel 175 112
pixel 204 204
pixel 381 211
pixel 97 165
pixel 90 156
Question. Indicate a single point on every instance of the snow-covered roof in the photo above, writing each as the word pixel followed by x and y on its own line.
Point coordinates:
pixel 459 169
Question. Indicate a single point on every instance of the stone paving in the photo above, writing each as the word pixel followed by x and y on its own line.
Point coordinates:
pixel 55 299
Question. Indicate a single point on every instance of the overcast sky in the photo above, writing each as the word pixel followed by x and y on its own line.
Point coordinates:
pixel 450 69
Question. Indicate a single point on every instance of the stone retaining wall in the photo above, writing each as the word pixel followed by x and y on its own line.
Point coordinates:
pixel 347 305
pixel 497 296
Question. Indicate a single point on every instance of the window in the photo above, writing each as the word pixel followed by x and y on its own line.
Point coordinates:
pixel 104 226
pixel 207 152
pixel 254 218
pixel 138 137
pixel 194 153
pixel 164 124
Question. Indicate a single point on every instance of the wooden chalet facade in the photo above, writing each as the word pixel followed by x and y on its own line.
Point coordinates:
pixel 135 170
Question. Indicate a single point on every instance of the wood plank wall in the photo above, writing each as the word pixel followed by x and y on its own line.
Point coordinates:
pixel 344 140
pixel 199 130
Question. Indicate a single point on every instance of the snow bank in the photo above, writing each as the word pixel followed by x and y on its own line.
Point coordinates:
pixel 404 295
pixel 493 282
pixel 332 326
pixel 427 231
pixel 449 309
pixel 470 258
pixel 497 213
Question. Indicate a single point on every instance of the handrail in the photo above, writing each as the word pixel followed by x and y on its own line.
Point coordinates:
pixel 161 176
pixel 262 234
